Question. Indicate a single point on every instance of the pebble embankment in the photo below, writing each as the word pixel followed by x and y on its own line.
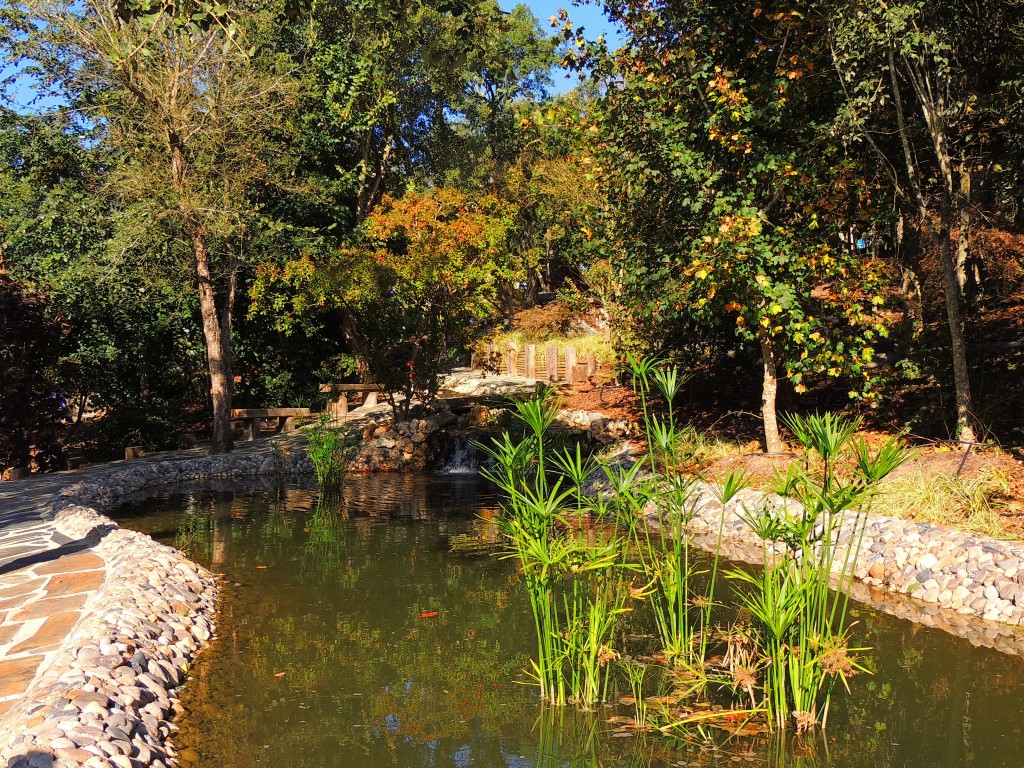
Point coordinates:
pixel 106 698
pixel 967 585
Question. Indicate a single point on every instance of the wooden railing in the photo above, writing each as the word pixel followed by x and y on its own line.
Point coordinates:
pixel 338 400
pixel 551 365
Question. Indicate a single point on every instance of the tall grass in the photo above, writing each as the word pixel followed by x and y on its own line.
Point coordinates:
pixel 682 612
pixel 808 545
pixel 970 502
pixel 328 450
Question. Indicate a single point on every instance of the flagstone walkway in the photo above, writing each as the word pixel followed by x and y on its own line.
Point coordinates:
pixel 47 577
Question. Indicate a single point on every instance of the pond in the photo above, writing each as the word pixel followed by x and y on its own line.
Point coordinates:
pixel 378 628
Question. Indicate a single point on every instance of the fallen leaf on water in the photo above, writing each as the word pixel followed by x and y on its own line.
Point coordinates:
pixel 620 720
pixel 279 675
pixel 428 615
pixel 261 567
pixel 657 700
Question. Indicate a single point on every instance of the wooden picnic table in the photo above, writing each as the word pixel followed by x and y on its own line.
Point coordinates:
pixel 253 418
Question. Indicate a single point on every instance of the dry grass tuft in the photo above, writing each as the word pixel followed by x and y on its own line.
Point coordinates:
pixel 972 503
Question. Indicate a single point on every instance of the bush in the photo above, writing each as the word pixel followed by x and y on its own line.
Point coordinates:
pixel 30 399
pixel 543 323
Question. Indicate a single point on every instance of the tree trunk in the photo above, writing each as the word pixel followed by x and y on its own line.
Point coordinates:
pixel 963 242
pixel 769 390
pixel 217 356
pixel 955 320
pixel 940 234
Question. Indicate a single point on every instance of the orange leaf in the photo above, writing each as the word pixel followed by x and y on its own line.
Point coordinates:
pixel 428 615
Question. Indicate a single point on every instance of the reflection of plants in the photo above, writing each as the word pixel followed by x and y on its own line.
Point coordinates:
pixel 325 545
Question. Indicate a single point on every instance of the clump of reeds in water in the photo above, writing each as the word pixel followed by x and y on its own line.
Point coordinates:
pixel 811 541
pixel 780 667
pixel 329 451
pixel 577 587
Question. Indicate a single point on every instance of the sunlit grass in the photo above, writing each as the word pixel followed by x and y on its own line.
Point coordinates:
pixel 971 503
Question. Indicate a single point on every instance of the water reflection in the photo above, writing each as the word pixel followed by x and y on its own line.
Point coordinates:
pixel 376 628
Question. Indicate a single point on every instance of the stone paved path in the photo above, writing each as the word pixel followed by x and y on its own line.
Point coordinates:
pixel 46 578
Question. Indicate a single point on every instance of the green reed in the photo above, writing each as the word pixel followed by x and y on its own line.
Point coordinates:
pixel 577 588
pixel 329 452
pixel 683 613
pixel 580 578
pixel 812 539
pixel 635 672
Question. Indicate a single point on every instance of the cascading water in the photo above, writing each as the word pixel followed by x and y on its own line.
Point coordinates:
pixel 462 457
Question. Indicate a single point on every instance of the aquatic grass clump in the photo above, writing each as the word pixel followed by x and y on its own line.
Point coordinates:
pixel 683 613
pixel 329 451
pixel 812 539
pixel 779 666
pixel 577 588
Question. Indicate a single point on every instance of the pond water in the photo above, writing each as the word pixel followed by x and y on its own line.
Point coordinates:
pixel 377 628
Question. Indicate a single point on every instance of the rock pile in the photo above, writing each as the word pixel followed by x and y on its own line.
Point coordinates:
pixel 405 446
pixel 599 427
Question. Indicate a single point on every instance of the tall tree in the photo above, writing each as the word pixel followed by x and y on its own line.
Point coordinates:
pixel 932 89
pixel 29 400
pixel 130 346
pixel 190 98
pixel 509 64
pixel 722 175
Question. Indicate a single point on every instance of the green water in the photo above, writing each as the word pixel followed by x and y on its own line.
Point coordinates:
pixel 329 653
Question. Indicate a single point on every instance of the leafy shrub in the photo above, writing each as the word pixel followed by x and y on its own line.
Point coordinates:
pixel 543 323
pixel 30 404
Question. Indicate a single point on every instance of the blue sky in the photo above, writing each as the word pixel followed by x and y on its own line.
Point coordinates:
pixel 589 16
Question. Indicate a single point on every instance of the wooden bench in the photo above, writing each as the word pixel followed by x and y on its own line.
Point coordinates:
pixel 252 419
pixel 338 408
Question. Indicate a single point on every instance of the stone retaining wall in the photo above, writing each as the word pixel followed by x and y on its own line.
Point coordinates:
pixel 967 585
pixel 108 697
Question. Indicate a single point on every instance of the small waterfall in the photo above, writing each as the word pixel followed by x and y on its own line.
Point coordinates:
pixel 462 457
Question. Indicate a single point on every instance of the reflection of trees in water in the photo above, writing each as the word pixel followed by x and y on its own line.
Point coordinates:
pixel 347 623
pixel 336 610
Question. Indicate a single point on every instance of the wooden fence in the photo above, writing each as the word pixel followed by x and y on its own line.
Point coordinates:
pixel 549 364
